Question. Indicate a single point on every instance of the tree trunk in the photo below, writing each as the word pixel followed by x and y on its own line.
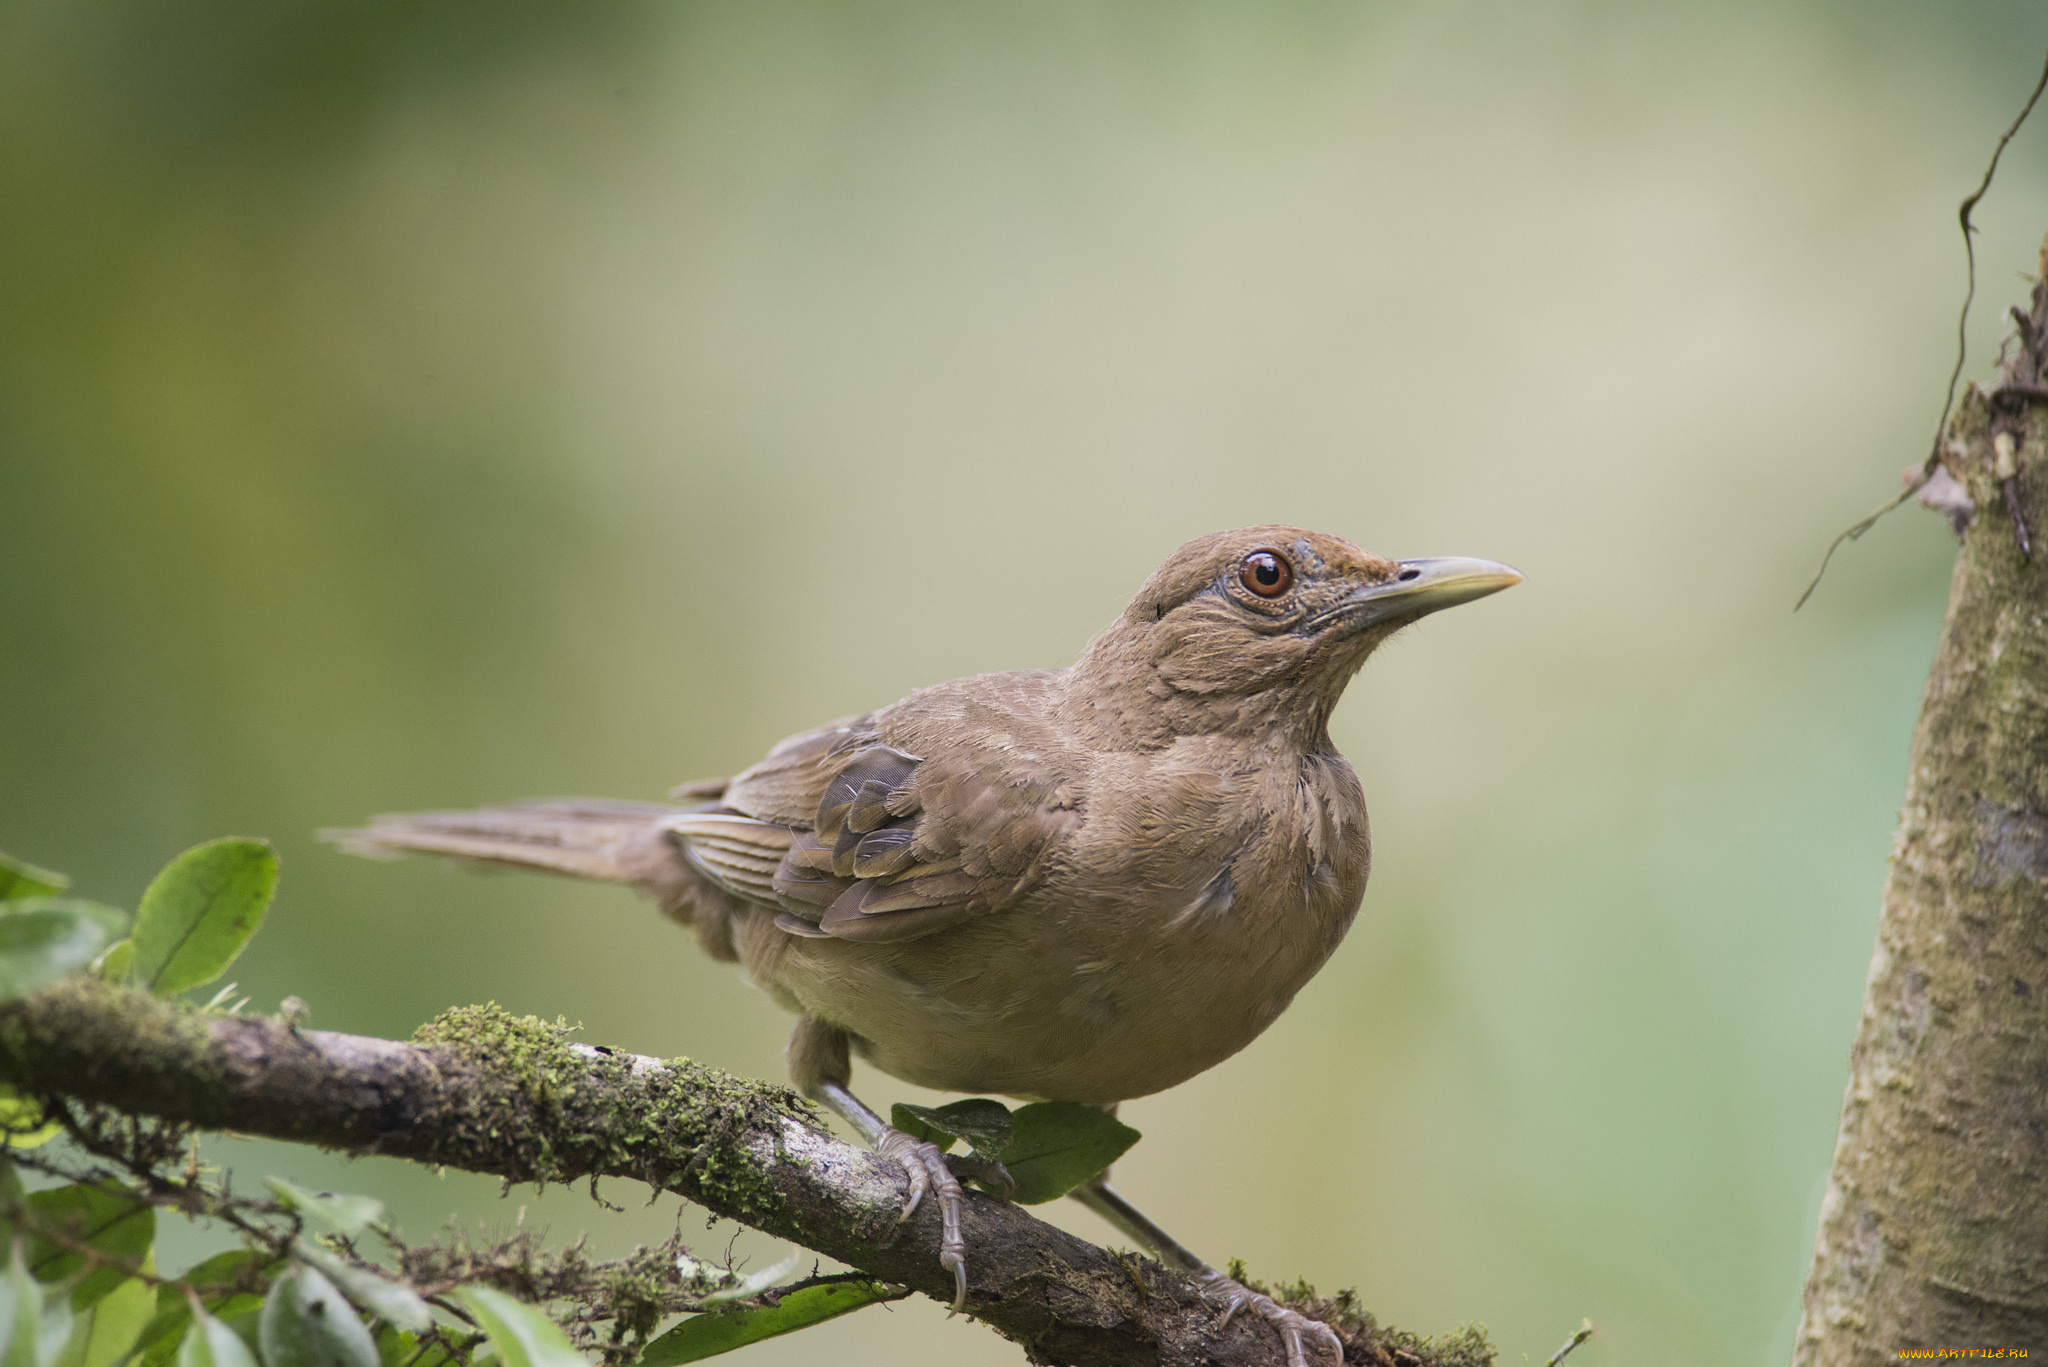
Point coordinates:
pixel 1934 1231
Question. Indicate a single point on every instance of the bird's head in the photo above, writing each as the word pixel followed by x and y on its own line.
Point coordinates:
pixel 1260 627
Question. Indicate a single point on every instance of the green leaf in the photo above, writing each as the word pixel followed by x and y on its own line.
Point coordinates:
pixel 105 1333
pixel 35 1332
pixel 1049 1147
pixel 119 958
pixel 107 1218
pixel 1057 1145
pixel 43 938
pixel 209 1343
pixel 158 1342
pixel 21 1305
pixel 160 1338
pixel 522 1334
pixel 716 1332
pixel 18 879
pixel 400 1349
pixel 753 1284
pixel 983 1123
pixel 211 1277
pixel 200 911
pixel 911 1120
pixel 306 1323
pixel 347 1216
pixel 249 1329
pixel 382 1297
pixel 164 1335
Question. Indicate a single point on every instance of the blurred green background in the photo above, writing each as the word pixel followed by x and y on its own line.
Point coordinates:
pixel 424 405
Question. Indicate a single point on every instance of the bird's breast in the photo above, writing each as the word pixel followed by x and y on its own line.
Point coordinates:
pixel 1178 919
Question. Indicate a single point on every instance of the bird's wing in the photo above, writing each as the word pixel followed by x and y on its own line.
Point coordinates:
pixel 899 823
pixel 740 841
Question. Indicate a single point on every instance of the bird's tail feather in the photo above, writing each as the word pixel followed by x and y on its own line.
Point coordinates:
pixel 609 841
pixel 613 842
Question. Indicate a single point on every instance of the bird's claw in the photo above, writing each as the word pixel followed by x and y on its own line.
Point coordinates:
pixel 926 1168
pixel 993 1176
pixel 1296 1330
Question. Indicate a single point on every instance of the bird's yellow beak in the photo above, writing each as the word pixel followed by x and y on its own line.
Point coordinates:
pixel 1420 587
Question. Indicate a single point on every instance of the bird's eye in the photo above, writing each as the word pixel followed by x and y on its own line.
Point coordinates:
pixel 1266 573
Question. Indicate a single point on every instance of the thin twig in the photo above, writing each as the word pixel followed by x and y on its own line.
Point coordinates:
pixel 1585 1331
pixel 1851 534
pixel 1955 376
pixel 1970 255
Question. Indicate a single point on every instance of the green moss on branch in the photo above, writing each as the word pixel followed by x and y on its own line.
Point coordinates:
pixel 515 1097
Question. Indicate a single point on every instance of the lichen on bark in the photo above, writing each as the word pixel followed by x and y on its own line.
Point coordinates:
pixel 682 1107
pixel 1934 1228
pixel 516 1097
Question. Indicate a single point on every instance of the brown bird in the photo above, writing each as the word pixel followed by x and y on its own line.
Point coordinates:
pixel 1083 884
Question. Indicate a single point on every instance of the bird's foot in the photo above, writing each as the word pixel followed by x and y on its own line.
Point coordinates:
pixel 992 1176
pixel 1297 1330
pixel 926 1168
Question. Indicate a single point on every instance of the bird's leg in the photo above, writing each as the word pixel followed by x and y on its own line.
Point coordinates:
pixel 923 1163
pixel 1297 1330
pixel 820 1065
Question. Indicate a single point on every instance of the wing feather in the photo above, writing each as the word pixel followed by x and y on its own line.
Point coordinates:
pixel 736 852
pixel 896 824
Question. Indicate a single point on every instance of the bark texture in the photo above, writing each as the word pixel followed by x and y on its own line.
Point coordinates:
pixel 1934 1230
pixel 482 1091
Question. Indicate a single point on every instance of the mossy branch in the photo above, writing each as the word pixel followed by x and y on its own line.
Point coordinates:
pixel 485 1092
